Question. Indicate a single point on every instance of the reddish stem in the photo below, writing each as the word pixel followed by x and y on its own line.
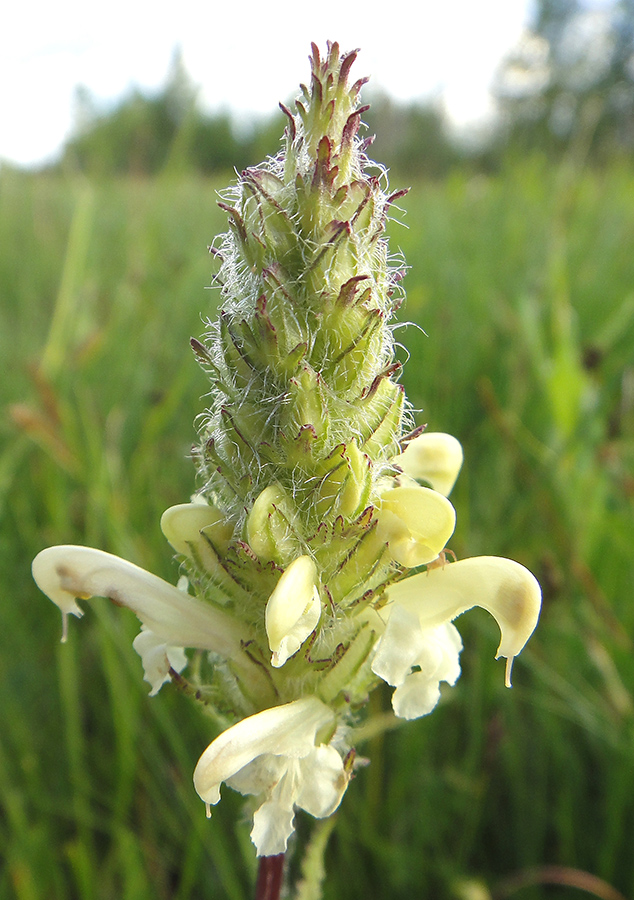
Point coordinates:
pixel 270 873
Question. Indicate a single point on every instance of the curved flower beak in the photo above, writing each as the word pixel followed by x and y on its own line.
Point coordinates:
pixel 503 587
pixel 416 523
pixel 68 572
pixel 275 754
pixel 293 610
pixel 434 457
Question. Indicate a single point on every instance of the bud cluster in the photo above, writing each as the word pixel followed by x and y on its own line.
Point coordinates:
pixel 306 411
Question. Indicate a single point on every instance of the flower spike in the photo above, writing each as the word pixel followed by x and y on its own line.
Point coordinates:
pixel 315 498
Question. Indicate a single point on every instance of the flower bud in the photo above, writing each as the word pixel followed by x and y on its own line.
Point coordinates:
pixel 416 523
pixel 269 526
pixel 433 457
pixel 293 610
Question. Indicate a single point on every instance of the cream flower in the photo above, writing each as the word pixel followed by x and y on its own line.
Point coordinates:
pixel 268 525
pixel 293 610
pixel 419 647
pixel 173 617
pixel 277 755
pixel 434 457
pixel 68 572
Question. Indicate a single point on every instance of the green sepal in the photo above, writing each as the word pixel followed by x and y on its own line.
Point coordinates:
pixel 265 218
pixel 221 470
pixel 306 406
pixel 206 570
pixel 257 578
pixel 339 678
pixel 356 573
pixel 382 417
pixel 345 490
pixel 236 357
pixel 355 362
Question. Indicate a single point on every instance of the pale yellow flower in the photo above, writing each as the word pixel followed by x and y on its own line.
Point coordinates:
pixel 279 756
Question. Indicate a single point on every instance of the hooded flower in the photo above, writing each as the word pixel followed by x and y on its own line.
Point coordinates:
pixel 415 521
pixel 277 755
pixel 172 618
pixel 420 647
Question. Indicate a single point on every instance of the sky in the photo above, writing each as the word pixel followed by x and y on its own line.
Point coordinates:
pixel 244 56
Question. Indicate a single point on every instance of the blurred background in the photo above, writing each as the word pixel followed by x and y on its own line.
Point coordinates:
pixel 513 124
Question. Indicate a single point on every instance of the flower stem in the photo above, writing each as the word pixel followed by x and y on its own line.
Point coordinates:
pixel 269 881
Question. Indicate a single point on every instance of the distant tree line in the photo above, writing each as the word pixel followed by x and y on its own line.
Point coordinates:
pixel 145 134
pixel 149 133
pixel 570 79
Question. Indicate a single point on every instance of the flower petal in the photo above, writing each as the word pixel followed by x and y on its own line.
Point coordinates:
pixel 260 776
pixel 400 645
pixel 406 644
pixel 315 783
pixel 323 781
pixel 67 572
pixel 272 827
pixel 157 658
pixel 420 691
pixel 289 730
pixel 416 697
pixel 293 610
pixel 415 522
pixel 433 457
pixel 503 587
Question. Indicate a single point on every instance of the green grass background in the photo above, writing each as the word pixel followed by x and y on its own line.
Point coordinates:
pixel 524 284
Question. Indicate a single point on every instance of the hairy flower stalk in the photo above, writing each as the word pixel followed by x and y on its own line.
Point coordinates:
pixel 316 498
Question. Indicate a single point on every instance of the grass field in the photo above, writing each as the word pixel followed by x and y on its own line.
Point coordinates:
pixel 524 284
